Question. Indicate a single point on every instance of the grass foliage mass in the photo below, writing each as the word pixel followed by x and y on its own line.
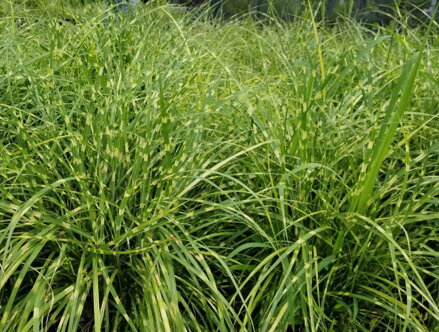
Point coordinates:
pixel 169 173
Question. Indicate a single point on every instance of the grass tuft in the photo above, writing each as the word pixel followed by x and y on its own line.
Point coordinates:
pixel 167 172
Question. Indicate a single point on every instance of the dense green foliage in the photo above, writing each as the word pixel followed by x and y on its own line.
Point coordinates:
pixel 170 173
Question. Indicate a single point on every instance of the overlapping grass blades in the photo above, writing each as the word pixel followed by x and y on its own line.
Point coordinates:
pixel 385 136
pixel 164 173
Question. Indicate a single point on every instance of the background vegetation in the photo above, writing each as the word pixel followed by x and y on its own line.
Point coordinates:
pixel 372 11
pixel 173 173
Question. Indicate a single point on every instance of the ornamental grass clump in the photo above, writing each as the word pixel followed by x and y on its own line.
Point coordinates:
pixel 163 173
